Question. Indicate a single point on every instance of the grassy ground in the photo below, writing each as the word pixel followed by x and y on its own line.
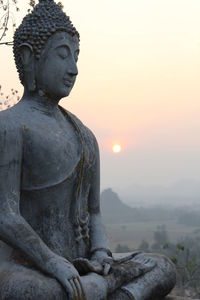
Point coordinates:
pixel 132 234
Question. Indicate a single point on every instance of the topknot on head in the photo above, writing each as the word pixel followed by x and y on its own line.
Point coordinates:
pixel 37 27
pixel 46 0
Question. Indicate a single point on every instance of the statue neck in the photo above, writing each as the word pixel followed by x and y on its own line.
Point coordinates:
pixel 43 101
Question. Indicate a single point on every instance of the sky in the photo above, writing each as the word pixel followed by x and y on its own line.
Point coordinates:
pixel 138 86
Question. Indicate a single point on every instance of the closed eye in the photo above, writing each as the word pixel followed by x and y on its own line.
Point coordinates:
pixel 76 54
pixel 63 52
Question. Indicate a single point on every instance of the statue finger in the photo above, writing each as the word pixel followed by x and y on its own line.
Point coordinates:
pixel 86 266
pixel 80 288
pixel 96 267
pixel 75 294
pixel 108 260
pixel 69 289
pixel 106 269
pixel 139 259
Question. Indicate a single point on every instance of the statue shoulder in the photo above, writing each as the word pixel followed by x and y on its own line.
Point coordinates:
pixel 87 134
pixel 10 129
pixel 89 141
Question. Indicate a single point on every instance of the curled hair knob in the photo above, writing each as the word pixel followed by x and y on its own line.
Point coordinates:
pixel 40 1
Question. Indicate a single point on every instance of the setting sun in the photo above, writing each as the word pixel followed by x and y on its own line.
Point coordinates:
pixel 116 148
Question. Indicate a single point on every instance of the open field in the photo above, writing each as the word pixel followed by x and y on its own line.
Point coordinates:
pixel 132 234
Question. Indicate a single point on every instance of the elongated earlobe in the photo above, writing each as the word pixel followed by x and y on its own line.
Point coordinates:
pixel 30 81
pixel 28 60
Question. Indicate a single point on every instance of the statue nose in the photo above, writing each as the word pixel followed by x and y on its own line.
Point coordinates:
pixel 72 69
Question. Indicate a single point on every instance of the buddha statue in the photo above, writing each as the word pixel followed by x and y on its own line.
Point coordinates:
pixel 53 244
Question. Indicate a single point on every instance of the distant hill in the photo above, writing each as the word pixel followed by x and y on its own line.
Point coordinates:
pixel 185 192
pixel 114 211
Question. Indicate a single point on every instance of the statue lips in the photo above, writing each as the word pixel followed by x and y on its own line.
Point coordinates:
pixel 69 83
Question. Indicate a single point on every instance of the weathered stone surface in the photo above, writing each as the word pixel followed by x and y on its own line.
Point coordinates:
pixel 50 220
pixel 153 285
pixel 178 298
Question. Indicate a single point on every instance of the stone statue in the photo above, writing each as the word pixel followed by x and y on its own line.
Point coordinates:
pixel 53 245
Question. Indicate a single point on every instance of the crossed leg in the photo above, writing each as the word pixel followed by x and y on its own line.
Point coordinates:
pixel 17 282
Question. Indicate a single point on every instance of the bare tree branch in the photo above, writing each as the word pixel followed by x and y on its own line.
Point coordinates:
pixel 6 19
pixel 7 43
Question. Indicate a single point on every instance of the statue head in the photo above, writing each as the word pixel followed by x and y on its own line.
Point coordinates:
pixel 44 43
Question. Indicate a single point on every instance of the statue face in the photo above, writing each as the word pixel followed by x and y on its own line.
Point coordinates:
pixel 56 69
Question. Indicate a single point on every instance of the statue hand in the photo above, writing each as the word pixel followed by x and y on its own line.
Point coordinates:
pixel 84 266
pixel 104 260
pixel 67 275
pixel 100 263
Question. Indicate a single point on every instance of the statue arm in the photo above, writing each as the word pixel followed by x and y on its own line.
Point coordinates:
pixel 98 238
pixel 14 230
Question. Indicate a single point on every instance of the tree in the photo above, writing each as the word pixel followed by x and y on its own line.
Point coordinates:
pixel 122 249
pixel 144 246
pixel 160 237
pixel 6 15
pixel 7 9
pixel 186 257
pixel 7 101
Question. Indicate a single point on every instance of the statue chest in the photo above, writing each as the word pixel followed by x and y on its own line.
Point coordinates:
pixel 51 153
pixel 57 170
